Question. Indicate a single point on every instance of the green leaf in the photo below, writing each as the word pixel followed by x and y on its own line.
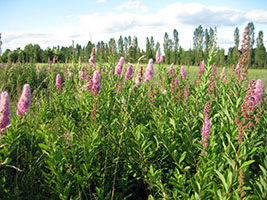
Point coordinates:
pixel 222 179
pixel 197 197
pixel 150 197
pixel 44 147
pixel 220 194
pixel 172 122
pixel 194 185
pixel 182 157
pixel 247 163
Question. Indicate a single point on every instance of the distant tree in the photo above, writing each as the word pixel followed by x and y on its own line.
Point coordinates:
pixel 14 56
pixel 207 43
pixel 236 37
pixel 220 57
pixel 157 48
pixel 180 55
pixel 167 48
pixel 174 58
pixel 100 51
pixel 251 34
pixel 198 38
pixel 230 56
pixel 235 52
pixel 120 46
pixel 47 54
pixel 126 43
pixel 260 39
pixel 198 44
pixel 29 52
pixel 148 49
pixel 126 46
pixel 88 50
pixel 260 52
pixel 129 41
pixel 4 57
pixel 152 46
pixel 134 51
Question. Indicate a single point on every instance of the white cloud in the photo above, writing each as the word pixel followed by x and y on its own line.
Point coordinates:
pixel 259 16
pixel 183 17
pixel 100 1
pixel 132 5
pixel 195 14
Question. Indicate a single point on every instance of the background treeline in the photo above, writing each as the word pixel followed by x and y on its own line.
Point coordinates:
pixel 128 47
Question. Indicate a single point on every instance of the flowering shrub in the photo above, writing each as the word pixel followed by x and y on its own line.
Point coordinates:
pixel 105 136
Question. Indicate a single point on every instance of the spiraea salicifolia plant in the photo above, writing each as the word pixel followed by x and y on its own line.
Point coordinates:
pixel 107 132
pixel 4 112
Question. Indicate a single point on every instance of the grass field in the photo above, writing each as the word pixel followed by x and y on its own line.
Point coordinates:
pixel 192 72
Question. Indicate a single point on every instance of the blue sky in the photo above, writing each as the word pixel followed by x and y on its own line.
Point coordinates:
pixel 52 23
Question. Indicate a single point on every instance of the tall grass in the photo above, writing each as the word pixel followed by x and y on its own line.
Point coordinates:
pixel 131 141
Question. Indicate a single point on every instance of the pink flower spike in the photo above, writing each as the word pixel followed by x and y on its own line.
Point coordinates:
pixel 171 70
pixel 224 80
pixel 202 66
pixel 96 83
pixel 129 73
pixel 4 111
pixel 119 67
pixel 82 75
pixel 161 59
pixel 206 131
pixel 186 93
pixel 257 92
pixel 92 58
pixel 58 82
pixel 24 101
pixel 176 81
pixel 149 70
pixel 183 72
pixel 238 69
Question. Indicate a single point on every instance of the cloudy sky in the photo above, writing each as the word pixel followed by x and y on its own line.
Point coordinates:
pixel 57 22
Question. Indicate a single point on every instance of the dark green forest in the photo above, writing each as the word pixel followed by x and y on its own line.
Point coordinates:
pixel 127 46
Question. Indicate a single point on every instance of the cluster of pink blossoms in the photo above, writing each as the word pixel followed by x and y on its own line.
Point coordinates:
pixel 183 72
pixel 24 101
pixel 212 81
pixel 186 93
pixel 149 70
pixel 171 70
pixel 129 73
pixel 58 82
pixel 253 96
pixel 206 126
pixel 176 81
pixel 202 67
pixel 92 58
pixel 96 83
pixel 23 106
pixel 4 111
pixel 257 92
pixel 159 58
pixel 119 67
